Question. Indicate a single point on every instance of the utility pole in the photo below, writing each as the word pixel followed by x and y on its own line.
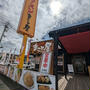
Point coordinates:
pixel 5 29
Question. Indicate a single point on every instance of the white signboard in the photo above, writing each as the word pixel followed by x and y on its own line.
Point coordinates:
pixel 70 68
pixel 46 60
pixel 32 80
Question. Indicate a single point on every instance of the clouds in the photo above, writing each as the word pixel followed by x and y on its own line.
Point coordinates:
pixel 70 13
pixel 74 12
pixel 10 11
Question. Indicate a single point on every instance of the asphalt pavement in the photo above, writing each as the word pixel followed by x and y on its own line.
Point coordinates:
pixel 3 86
pixel 8 84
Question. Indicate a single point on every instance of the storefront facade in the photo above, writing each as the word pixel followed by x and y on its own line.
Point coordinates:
pixel 80 62
pixel 75 44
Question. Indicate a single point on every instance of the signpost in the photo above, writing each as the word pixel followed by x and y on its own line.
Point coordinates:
pixel 27 26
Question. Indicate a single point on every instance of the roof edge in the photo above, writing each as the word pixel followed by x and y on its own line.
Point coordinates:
pixel 70 30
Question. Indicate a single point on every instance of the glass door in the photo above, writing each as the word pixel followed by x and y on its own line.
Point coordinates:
pixel 79 64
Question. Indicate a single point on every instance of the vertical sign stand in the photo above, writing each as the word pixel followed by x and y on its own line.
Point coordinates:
pixel 22 53
pixel 27 26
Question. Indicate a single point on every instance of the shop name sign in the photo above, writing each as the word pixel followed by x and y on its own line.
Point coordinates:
pixel 31 6
pixel 28 18
pixel 45 66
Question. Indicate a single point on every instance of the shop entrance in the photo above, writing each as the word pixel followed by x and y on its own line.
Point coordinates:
pixel 79 64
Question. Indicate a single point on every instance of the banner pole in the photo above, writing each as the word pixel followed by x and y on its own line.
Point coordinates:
pixel 22 52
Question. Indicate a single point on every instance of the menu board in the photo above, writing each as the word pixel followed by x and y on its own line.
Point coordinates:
pixel 70 68
pixel 37 81
pixel 29 79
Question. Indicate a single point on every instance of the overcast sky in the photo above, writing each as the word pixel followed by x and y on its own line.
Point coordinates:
pixel 52 15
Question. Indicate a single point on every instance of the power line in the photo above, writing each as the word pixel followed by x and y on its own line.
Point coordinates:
pixel 5 30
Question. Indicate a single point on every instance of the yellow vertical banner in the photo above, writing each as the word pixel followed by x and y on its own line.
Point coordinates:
pixel 28 18
pixel 22 52
pixel 27 26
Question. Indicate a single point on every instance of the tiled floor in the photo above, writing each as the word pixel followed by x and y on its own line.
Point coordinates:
pixel 74 82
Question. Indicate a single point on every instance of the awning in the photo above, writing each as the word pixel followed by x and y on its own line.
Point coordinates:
pixel 76 43
pixel 75 39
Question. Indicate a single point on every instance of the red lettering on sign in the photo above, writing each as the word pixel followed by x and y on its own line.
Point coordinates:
pixel 45 61
pixel 45 65
pixel 31 6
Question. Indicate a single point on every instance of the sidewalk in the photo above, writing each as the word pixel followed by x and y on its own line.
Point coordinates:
pixel 3 86
pixel 73 82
